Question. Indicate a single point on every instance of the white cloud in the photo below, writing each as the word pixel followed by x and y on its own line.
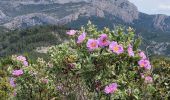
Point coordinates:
pixel 164 7
pixel 153 6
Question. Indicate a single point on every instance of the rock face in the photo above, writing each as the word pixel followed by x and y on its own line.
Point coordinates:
pixel 30 20
pixel 28 2
pixel 120 8
pixel 26 13
pixel 2 15
pixel 72 10
pixel 161 22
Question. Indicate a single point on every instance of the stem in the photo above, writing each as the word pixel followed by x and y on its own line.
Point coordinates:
pixel 30 92
pixel 108 97
pixel 96 97
pixel 40 94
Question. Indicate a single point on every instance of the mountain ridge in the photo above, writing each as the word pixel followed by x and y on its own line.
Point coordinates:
pixel 122 9
pixel 65 11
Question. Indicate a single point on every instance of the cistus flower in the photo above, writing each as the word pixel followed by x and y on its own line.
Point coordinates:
pixel 45 81
pixel 142 75
pixel 60 87
pixel 71 32
pixel 92 44
pixel 12 82
pixel 130 51
pixel 103 40
pixel 148 79
pixel 21 58
pixel 148 67
pixel 111 88
pixel 116 48
pixel 142 55
pixel 81 38
pixel 25 63
pixel 17 72
pixel 71 65
pixel 144 63
pixel 15 93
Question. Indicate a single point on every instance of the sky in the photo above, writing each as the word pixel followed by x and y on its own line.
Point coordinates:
pixel 153 6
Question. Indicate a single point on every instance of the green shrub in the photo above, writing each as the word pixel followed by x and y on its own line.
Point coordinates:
pixel 99 65
pixel 162 77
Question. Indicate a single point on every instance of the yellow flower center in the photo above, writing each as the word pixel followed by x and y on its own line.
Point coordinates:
pixel 93 44
pixel 115 48
pixel 142 64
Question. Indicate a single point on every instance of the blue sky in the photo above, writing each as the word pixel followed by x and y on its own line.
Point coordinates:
pixel 153 6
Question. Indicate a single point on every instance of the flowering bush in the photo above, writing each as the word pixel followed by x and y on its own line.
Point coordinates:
pixel 31 80
pixel 93 64
pixel 102 65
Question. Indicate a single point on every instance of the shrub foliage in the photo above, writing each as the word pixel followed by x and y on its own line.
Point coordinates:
pixel 99 65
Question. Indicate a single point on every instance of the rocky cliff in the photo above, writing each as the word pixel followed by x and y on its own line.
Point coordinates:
pixel 66 11
pixel 24 13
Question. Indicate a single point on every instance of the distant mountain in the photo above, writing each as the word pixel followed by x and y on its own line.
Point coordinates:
pixel 24 13
pixel 64 11
pixel 74 13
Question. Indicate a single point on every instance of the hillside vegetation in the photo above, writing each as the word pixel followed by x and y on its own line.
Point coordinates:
pixel 92 65
pixel 27 40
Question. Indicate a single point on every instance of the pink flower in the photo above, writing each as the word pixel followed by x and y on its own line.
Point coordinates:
pixel 71 66
pixel 144 63
pixel 142 75
pixel 25 63
pixel 111 88
pixel 142 55
pixel 103 40
pixel 14 93
pixel 45 81
pixel 130 51
pixel 92 44
pixel 12 82
pixel 148 79
pixel 71 32
pixel 81 38
pixel 17 72
pixel 21 58
pixel 148 67
pixel 60 87
pixel 116 48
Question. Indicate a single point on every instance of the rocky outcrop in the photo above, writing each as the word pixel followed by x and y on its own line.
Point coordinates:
pixel 121 9
pixel 19 13
pixel 2 15
pixel 28 2
pixel 30 20
pixel 84 11
pixel 161 22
